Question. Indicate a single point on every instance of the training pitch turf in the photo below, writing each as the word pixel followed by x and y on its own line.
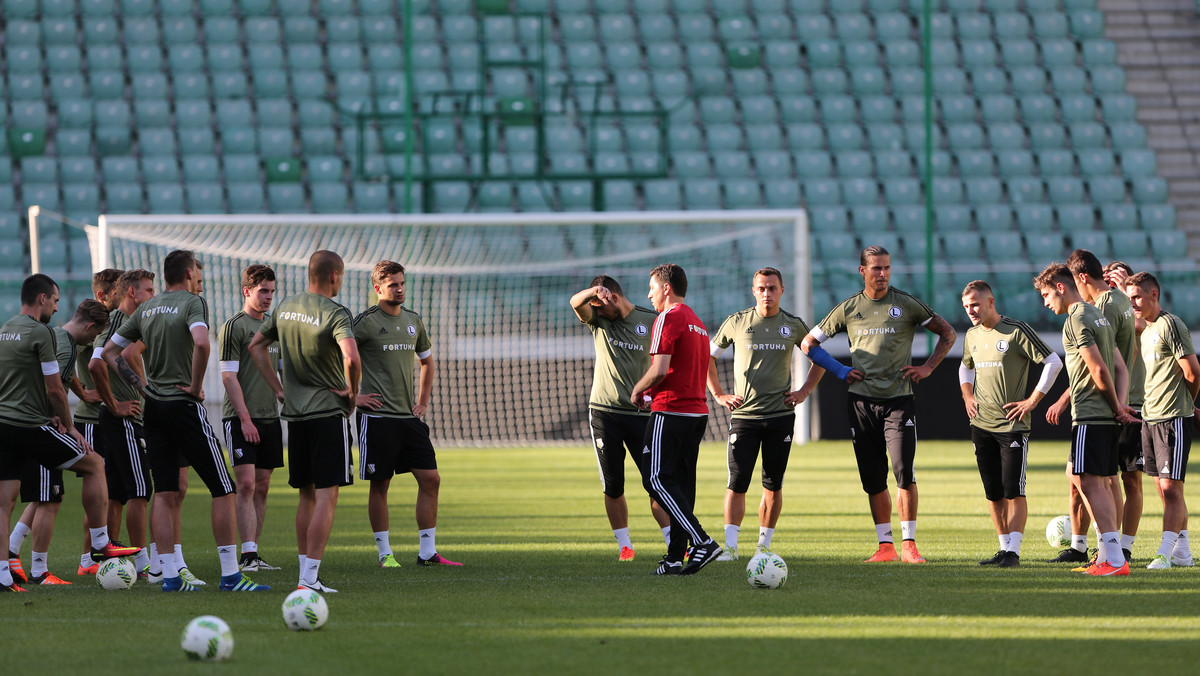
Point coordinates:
pixel 542 591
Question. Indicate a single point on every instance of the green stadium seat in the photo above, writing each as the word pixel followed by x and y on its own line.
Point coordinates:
pixel 151 113
pixel 835 245
pixel 902 53
pixel 1096 162
pixel 1058 53
pixel 1099 52
pixel 1087 25
pixel 1107 80
pixel 196 142
pixel 860 53
pixel 1167 244
pixel 662 194
pixel 1149 190
pixel 1134 244
pixel 992 220
pixel 878 110
pixel 827 81
pixel 902 191
pixel 1056 163
pixel 1157 218
pixel 161 169
pixel 949 218
pixel 805 136
pixel 822 192
pixel 894 163
pixel 941 25
pixel 947 190
pixel 1028 80
pixel 828 220
pixel 870 218
pixel 204 198
pixel 702 194
pixel 285 198
pixel 893 26
pixel 1118 108
pixel 975 163
pixel 868 81
pixel 1081 218
pixel 965 136
pixel 884 138
pixel 1065 189
pixel 1118 217
pixel 855 164
pixel 1068 80
pixel 989 81
pixel 907 82
pixel 1049 25
pixel 1008 136
pixel 1046 244
pixel 813 164
pixel 166 198
pixel 983 190
pixel 860 190
pixel 1138 163
pixel 845 137
pixel 1036 108
pixel 1106 189
pixel 1047 135
pixel 71 143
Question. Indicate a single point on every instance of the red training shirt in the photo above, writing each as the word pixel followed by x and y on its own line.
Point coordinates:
pixel 680 333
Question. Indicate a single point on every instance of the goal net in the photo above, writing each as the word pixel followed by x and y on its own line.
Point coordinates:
pixel 514 363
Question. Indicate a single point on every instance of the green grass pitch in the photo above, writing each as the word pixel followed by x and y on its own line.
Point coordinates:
pixel 542 591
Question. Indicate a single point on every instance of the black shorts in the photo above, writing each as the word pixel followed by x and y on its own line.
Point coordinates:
pixel 176 427
pixel 389 446
pixel 126 462
pixel 1129 448
pixel 746 436
pixel 1093 450
pixel 883 429
pixel 266 454
pixel 1001 457
pixel 45 445
pixel 319 452
pixel 612 435
pixel 41 484
pixel 1167 445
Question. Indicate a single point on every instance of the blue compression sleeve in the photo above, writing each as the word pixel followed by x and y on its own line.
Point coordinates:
pixel 821 358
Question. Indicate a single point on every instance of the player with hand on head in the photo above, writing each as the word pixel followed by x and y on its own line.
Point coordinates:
pixel 1096 410
pixel 42 487
pixel 392 438
pixel 880 322
pixel 1091 282
pixel 678 418
pixel 35 419
pixel 250 413
pixel 1169 411
pixel 174 328
pixel 763 338
pixel 321 372
pixel 120 419
pixel 621 334
pixel 997 354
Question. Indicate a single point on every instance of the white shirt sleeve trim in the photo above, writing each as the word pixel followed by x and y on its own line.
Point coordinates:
pixel 818 335
pixel 195 324
pixel 230 366
pixel 425 354
pixel 966 376
pixel 715 350
pixel 49 368
pixel 120 340
pixel 1050 371
pixel 98 353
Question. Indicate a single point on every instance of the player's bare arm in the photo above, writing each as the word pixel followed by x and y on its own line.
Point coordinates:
pixel 660 364
pixel 968 396
pixel 83 393
pixel 98 368
pixel 581 302
pixel 1017 410
pixel 1191 375
pixel 237 399
pixel 946 337
pixel 425 387
pixel 62 410
pixel 351 368
pixel 262 361
pixel 1103 381
pixel 200 353
pixel 729 401
pixel 1058 408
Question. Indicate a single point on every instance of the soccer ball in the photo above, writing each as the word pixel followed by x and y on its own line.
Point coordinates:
pixel 116 574
pixel 207 638
pixel 1058 531
pixel 766 571
pixel 305 610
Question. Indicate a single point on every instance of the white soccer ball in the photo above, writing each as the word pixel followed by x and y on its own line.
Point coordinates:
pixel 207 638
pixel 766 571
pixel 116 574
pixel 1058 531
pixel 305 610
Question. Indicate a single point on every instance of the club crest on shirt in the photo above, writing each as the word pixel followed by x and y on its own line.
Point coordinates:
pixel 412 330
pixel 1002 345
pixel 785 331
pixel 600 444
pixel 733 438
pixel 640 329
pixel 895 312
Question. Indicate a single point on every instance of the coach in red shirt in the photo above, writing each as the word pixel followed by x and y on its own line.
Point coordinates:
pixel 679 416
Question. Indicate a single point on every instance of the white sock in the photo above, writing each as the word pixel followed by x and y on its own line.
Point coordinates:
pixel 249 547
pixel 1127 541
pixel 1168 543
pixel 17 538
pixel 884 532
pixel 311 568
pixel 167 562
pixel 37 566
pixel 99 537
pixel 141 560
pixel 228 556
pixel 764 537
pixel 1003 537
pixel 666 531
pixel 622 536
pixel 731 535
pixel 85 560
pixel 428 541
pixel 908 530
pixel 1079 542
pixel 1183 549
pixel 303 560
pixel 6 578
pixel 154 559
pixel 1112 549
pixel 1014 542
pixel 383 543
pixel 179 562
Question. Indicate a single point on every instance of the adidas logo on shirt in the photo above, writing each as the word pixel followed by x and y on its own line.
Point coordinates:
pixel 1015 444
pixel 787 439
pixel 645 450
pixel 908 423
pixel 382 331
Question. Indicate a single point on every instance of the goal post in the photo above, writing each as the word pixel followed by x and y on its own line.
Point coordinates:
pixel 514 364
